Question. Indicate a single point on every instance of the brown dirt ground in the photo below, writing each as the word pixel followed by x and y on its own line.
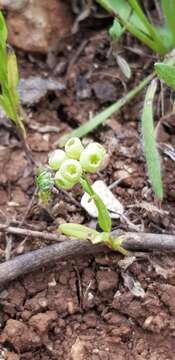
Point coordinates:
pixel 86 309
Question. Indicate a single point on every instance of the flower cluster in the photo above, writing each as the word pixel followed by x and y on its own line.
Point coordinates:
pixel 76 160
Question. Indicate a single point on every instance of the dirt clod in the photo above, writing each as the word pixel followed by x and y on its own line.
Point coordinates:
pixel 19 335
pixel 42 321
pixel 107 280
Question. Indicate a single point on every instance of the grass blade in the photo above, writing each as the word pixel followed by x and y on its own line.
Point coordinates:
pixel 100 118
pixel 149 142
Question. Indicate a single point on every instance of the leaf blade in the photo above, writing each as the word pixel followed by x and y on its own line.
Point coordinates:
pixel 149 142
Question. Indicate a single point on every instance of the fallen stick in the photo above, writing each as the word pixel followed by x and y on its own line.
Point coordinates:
pixel 34 260
pixel 30 233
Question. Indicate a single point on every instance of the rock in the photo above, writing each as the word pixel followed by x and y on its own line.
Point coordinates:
pixel 33 89
pixel 19 335
pixel 42 321
pixel 107 280
pixel 38 25
pixel 105 91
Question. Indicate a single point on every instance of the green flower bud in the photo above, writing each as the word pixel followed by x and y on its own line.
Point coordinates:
pixel 61 182
pixel 45 184
pixel 56 158
pixel 71 170
pixel 44 179
pixel 96 146
pixel 74 148
pixel 93 158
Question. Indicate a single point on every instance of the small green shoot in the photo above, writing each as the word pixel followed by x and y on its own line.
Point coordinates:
pixel 149 142
pixel 82 232
pixel 9 98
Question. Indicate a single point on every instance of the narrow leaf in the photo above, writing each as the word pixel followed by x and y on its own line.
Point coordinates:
pixel 12 68
pixel 5 104
pixel 169 13
pixel 149 142
pixel 3 29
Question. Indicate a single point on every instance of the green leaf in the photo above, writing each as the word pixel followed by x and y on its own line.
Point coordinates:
pixel 169 13
pixel 166 73
pixel 103 214
pixel 12 68
pixel 116 30
pixel 3 30
pixel 5 104
pixel 3 66
pixel 78 231
pixel 149 142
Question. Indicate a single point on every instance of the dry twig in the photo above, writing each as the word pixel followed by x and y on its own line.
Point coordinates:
pixel 34 260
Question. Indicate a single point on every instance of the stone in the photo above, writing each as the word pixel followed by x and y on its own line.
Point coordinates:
pixel 38 25
pixel 34 88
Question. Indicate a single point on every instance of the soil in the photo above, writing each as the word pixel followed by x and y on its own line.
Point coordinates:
pixel 93 308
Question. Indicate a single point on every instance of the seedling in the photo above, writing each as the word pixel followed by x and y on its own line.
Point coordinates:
pixel 70 167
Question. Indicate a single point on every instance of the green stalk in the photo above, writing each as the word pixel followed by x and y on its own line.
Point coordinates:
pixel 105 114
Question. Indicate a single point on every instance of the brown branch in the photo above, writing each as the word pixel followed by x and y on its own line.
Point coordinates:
pixel 34 260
